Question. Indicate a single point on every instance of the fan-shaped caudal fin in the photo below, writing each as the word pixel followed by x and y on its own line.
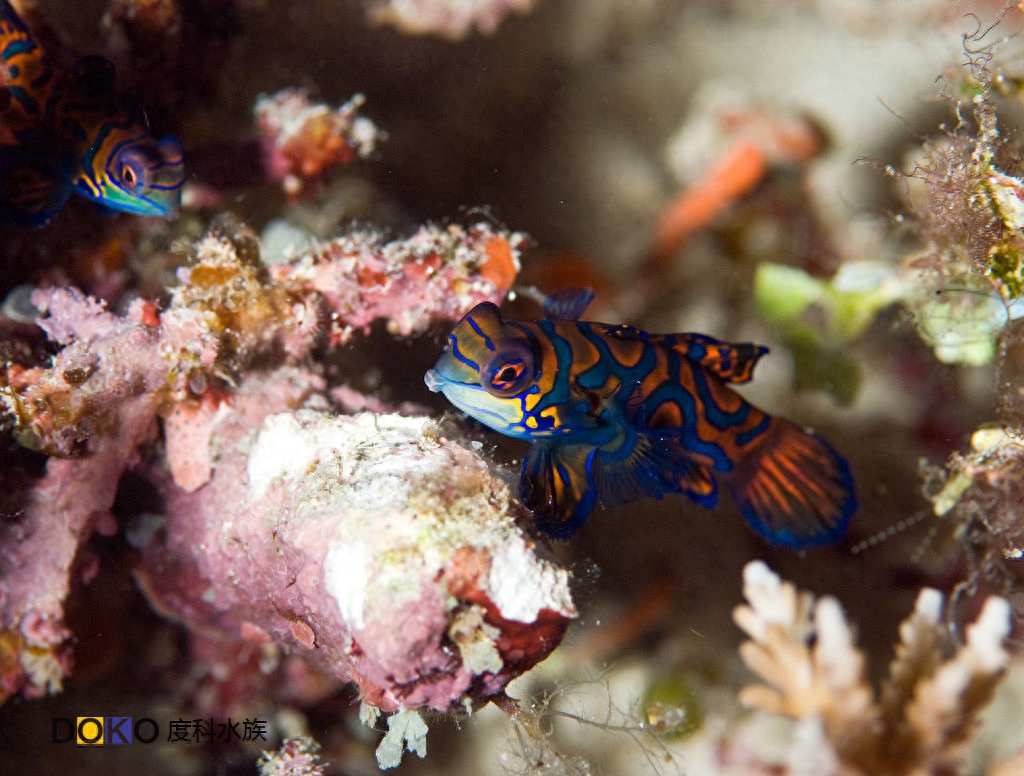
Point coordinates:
pixel 794 488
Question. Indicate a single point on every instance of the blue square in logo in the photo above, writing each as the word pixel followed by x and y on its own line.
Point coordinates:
pixel 119 730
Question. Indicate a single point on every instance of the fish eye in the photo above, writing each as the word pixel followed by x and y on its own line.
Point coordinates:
pixel 509 371
pixel 132 169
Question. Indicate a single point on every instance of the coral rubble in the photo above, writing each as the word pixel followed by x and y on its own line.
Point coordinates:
pixel 385 554
pixel 95 409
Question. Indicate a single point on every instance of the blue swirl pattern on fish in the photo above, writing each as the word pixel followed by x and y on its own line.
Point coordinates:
pixel 617 414
pixel 65 132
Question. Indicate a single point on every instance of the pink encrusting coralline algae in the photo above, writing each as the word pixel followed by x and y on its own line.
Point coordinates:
pixel 447 543
pixel 382 552
pixel 436 274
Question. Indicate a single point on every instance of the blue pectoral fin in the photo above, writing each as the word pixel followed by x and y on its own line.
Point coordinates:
pixel 795 490
pixel 562 483
pixel 568 304
pixel 556 483
pixel 32 188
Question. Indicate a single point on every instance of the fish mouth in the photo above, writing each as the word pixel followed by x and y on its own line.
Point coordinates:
pixel 433 380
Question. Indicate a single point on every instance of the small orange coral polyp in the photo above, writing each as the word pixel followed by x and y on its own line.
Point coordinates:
pixel 150 315
pixel 500 266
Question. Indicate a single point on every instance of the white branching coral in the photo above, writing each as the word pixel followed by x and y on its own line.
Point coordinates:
pixel 926 713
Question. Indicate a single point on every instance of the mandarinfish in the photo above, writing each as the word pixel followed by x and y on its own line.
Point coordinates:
pixel 616 414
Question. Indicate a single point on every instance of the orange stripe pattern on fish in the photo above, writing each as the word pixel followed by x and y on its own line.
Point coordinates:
pixel 63 132
pixel 616 414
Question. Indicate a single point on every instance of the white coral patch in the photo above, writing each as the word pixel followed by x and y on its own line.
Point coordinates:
pixel 520 584
pixel 346 573
pixel 293 445
pixel 282 451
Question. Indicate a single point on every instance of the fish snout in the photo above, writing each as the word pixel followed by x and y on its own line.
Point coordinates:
pixel 433 380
